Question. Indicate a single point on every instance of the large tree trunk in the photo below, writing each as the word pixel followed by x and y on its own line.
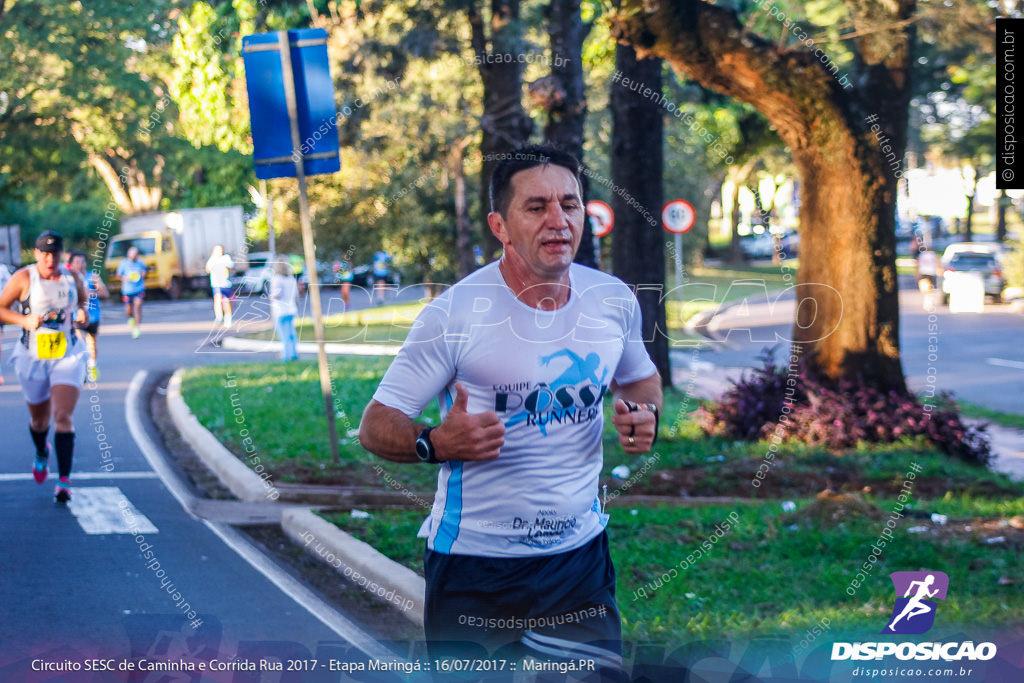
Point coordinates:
pixel 740 176
pixel 504 124
pixel 562 95
pixel 463 226
pixel 1004 204
pixel 638 248
pixel 130 190
pixel 848 312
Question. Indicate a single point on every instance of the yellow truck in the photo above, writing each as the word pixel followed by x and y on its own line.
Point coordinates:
pixel 175 246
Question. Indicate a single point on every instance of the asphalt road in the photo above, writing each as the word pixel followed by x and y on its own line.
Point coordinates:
pixel 977 356
pixel 74 584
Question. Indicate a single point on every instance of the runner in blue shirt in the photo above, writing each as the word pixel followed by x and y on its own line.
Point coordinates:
pixel 90 329
pixel 132 272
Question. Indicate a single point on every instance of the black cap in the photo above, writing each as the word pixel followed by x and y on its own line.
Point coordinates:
pixel 50 242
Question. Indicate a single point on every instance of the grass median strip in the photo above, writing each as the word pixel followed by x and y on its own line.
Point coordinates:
pixel 770 575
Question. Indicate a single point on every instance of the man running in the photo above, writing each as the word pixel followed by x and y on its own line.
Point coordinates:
pixel 219 267
pixel 519 355
pixel 49 359
pixel 90 330
pixel 132 272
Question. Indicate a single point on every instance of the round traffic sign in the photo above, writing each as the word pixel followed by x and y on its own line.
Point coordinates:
pixel 678 216
pixel 602 218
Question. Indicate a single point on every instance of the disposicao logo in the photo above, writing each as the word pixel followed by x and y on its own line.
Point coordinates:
pixel 914 614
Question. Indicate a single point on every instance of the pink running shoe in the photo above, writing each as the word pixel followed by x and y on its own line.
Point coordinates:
pixel 40 469
pixel 62 492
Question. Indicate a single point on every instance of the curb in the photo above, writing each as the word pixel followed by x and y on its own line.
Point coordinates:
pixel 268 346
pixel 300 524
pixel 243 482
pixel 385 579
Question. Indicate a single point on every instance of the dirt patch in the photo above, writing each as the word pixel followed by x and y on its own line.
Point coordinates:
pixel 735 479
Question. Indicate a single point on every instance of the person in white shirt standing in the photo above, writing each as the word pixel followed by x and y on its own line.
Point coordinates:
pixel 219 267
pixel 283 293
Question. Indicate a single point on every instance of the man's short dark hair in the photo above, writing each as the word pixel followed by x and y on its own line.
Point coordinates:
pixel 521 160
pixel 75 254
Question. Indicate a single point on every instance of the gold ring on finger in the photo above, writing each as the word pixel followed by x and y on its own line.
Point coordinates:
pixel 632 441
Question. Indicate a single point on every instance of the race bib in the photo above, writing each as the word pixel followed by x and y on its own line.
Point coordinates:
pixel 51 344
pixel 134 277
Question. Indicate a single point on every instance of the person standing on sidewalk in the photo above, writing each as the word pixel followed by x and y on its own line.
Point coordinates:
pixel 519 355
pixel 89 330
pixel 219 267
pixel 49 359
pixel 283 295
pixel 132 272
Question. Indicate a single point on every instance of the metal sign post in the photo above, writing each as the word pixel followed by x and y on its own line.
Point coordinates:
pixel 678 217
pixel 307 245
pixel 602 220
pixel 309 107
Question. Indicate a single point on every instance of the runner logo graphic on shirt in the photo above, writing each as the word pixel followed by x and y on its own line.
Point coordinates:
pixel 573 397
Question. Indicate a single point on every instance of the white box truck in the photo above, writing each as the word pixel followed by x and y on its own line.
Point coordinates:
pixel 10 246
pixel 175 245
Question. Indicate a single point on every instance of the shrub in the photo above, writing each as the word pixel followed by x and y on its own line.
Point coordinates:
pixel 837 415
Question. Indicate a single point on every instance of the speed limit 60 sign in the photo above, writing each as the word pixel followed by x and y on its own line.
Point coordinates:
pixel 678 216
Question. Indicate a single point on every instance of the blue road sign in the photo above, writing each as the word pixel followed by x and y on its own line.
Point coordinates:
pixel 274 152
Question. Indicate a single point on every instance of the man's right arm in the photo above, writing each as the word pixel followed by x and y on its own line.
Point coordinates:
pixel 462 437
pixel 389 433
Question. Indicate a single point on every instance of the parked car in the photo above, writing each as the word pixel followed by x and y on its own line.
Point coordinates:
pixel 256 280
pixel 976 262
pixel 763 245
pixel 757 246
pixel 993 249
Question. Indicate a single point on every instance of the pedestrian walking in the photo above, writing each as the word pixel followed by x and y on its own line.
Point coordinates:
pixel 49 359
pixel 219 267
pixel 283 294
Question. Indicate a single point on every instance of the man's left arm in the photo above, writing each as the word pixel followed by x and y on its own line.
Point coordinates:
pixel 637 409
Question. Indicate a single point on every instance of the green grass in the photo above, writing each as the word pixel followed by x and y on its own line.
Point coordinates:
pixel 767 577
pixel 282 410
pixel 999 417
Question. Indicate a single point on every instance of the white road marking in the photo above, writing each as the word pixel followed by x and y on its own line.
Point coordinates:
pixel 88 476
pixel 101 510
pixel 287 584
pixel 1005 363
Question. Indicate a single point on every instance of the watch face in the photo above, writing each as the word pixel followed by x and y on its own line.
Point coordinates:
pixel 422 449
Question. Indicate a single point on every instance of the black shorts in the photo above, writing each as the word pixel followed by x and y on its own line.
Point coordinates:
pixel 90 328
pixel 551 608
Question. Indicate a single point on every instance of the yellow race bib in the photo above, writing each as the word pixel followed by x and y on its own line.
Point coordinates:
pixel 51 344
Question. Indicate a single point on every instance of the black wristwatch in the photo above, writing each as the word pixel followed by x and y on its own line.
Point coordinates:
pixel 425 449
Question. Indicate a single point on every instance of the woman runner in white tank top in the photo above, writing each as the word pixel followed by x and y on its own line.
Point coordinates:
pixel 49 360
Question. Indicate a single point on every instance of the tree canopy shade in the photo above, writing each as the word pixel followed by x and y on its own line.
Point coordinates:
pixel 833 123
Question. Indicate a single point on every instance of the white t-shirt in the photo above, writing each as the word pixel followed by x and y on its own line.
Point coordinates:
pixel 283 292
pixel 928 263
pixel 544 373
pixel 220 271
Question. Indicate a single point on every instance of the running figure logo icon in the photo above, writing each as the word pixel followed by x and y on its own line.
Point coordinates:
pixel 914 612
